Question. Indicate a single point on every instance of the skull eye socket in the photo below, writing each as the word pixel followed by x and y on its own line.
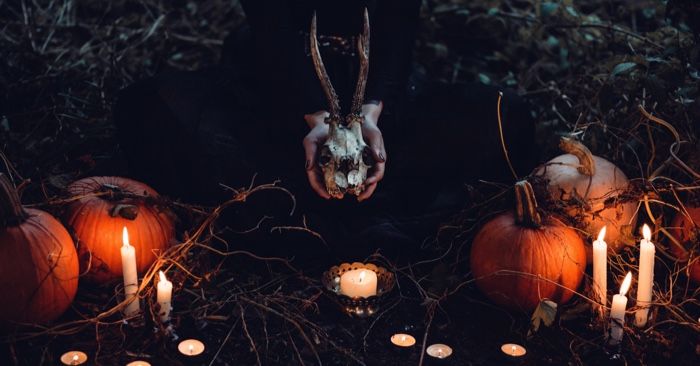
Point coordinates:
pixel 367 157
pixel 325 156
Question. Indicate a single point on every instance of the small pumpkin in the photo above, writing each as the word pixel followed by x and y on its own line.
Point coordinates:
pixel 591 187
pixel 103 206
pixel 548 256
pixel 686 229
pixel 38 262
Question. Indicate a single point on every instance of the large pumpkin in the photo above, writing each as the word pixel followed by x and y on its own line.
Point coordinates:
pixel 38 262
pixel 518 258
pixel 102 207
pixel 591 188
pixel 687 231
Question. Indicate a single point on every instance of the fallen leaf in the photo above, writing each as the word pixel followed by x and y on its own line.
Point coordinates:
pixel 544 314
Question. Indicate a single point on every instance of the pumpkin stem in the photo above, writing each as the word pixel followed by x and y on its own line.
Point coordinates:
pixel 526 205
pixel 585 157
pixel 11 210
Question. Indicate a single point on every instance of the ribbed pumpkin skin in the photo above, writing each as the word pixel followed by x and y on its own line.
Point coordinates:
pixel 687 233
pixel 38 270
pixel 608 182
pixel 553 251
pixel 99 234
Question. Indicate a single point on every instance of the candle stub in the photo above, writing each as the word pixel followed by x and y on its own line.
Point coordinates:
pixel 164 296
pixel 138 363
pixel 439 350
pixel 74 358
pixel 403 340
pixel 190 347
pixel 617 311
pixel 513 350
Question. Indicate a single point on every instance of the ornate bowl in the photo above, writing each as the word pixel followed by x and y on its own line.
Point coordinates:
pixel 361 307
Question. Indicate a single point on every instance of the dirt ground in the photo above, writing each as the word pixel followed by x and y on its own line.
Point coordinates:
pixel 587 66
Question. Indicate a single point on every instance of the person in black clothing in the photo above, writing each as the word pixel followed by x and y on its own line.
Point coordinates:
pixel 186 132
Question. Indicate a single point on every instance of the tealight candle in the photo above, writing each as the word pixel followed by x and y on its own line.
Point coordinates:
pixel 645 281
pixel 191 347
pixel 359 283
pixel 131 278
pixel 600 271
pixel 74 358
pixel 403 340
pixel 439 350
pixel 164 297
pixel 617 311
pixel 138 363
pixel 513 350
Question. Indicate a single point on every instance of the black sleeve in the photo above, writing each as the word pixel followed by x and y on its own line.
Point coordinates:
pixel 393 26
pixel 312 96
pixel 281 47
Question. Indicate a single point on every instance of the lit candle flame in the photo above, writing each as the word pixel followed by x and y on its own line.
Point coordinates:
pixel 162 278
pixel 125 237
pixel 403 338
pixel 646 232
pixel 601 234
pixel 191 348
pixel 626 284
pixel 362 276
pixel 513 348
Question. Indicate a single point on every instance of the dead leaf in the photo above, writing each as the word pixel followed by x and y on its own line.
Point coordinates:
pixel 544 314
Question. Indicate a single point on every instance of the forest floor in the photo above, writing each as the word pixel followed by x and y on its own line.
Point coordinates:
pixel 593 69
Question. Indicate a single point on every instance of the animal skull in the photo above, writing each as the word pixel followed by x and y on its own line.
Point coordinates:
pixel 345 157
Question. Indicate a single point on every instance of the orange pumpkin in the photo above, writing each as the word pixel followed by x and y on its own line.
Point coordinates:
pixel 518 258
pixel 687 231
pixel 591 188
pixel 38 262
pixel 103 206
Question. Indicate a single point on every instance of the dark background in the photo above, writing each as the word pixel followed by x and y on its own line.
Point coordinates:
pixel 585 66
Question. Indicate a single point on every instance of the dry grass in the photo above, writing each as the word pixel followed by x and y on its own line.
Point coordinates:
pixel 613 73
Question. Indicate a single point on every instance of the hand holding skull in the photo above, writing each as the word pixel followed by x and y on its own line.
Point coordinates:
pixel 318 135
pixel 344 157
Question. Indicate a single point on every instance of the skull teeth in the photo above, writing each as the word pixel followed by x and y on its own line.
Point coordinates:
pixel 354 178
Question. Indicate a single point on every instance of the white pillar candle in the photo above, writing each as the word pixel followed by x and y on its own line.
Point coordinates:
pixel 131 279
pixel 165 293
pixel 645 281
pixel 358 283
pixel 617 311
pixel 600 271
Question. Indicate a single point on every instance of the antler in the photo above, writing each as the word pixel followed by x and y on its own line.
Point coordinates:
pixel 363 52
pixel 331 96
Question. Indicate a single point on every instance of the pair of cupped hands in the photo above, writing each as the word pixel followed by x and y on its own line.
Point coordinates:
pixel 318 135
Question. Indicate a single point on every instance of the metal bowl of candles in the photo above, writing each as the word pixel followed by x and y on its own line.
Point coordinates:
pixel 359 288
